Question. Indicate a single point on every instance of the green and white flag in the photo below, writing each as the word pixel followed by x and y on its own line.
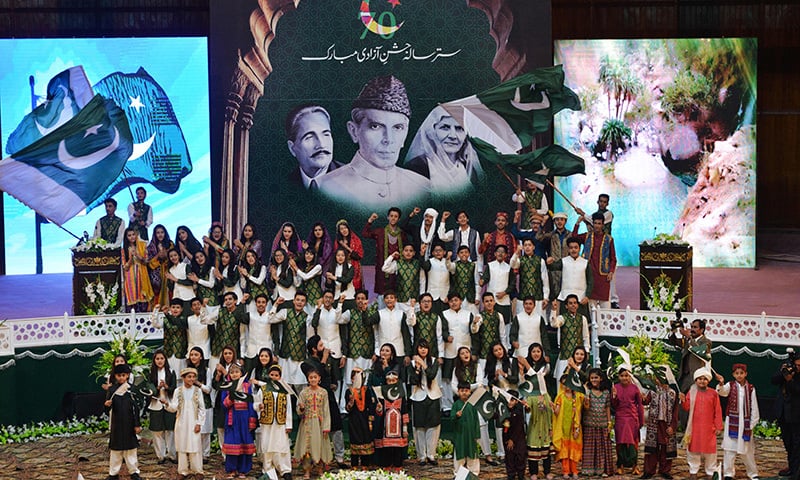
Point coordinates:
pixel 483 401
pixel 464 474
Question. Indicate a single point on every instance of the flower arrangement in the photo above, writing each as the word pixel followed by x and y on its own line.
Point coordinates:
pixel 665 239
pixel 367 475
pixel 662 294
pixel 765 429
pixel 123 343
pixel 94 245
pixel 647 355
pixel 102 299
pixel 37 431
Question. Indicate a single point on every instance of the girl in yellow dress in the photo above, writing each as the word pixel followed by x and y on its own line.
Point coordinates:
pixel 567 434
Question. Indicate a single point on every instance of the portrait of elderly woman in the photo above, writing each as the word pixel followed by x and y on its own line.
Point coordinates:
pixel 440 151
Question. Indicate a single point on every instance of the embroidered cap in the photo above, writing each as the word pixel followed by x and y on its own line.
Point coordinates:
pixel 188 370
pixel 384 93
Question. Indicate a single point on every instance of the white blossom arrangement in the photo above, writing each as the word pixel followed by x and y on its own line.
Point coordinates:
pixel 66 428
pixel 662 239
pixel 367 475
pixel 94 245
pixel 662 294
pixel 102 299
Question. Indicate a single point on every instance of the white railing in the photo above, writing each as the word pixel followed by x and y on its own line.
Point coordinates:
pixel 66 330
pixel 720 327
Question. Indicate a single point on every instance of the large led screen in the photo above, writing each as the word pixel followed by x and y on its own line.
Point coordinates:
pixel 162 86
pixel 668 131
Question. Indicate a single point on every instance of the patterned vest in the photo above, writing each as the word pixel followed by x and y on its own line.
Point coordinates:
pixel 227 331
pixel 109 228
pixel 293 343
pixel 407 279
pixel 312 287
pixel 490 332
pixel 143 209
pixel 605 252
pixel 254 288
pixel 426 328
pixel 274 408
pixel 533 199
pixel 571 335
pixel 464 282
pixel 361 341
pixel 530 277
pixel 175 342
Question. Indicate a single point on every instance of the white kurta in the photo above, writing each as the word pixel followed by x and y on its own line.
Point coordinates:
pixel 529 331
pixel 186 441
pixel 738 444
pixel 461 329
pixel 498 280
pixel 389 330
pixel 197 334
pixel 439 278
pixel 184 292
pixel 349 291
pixel 573 278
pixel 328 330
pixel 259 333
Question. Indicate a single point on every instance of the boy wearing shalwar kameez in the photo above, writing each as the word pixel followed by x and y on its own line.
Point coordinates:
pixel 514 438
pixel 465 432
pixel 240 420
pixel 705 422
pixel 741 415
pixel 187 402
pixel 275 424
pixel 123 425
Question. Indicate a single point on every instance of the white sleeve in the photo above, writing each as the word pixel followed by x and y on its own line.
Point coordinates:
pixel 209 314
pixel 342 317
pixel 288 412
pixel 586 339
pixel 172 405
pixel 120 234
pixel 411 318
pixel 439 336
pixel 557 322
pixel 755 415
pixel 131 213
pixel 545 281
pixel 208 282
pixel 157 319
pixel 389 265
pixel 149 220
pixel 518 198
pixel 451 267
pixel 545 206
pixel 504 332
pixel 201 415
pixel 723 389
pixel 514 262
pixel 445 235
pixel 305 276
pixel 277 317
pixel 262 275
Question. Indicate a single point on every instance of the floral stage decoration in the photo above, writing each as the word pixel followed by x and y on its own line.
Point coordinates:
pixel 646 356
pixel 94 245
pixel 367 475
pixel 126 344
pixel 103 298
pixel 663 294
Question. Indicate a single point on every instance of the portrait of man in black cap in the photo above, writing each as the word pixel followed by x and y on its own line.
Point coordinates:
pixel 379 125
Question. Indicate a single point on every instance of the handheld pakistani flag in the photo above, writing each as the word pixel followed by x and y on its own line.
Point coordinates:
pixel 464 474
pixel 503 120
pixel 67 93
pixel 483 401
pixel 64 171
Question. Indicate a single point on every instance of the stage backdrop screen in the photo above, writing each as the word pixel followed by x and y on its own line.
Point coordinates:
pixel 668 131
pixel 162 86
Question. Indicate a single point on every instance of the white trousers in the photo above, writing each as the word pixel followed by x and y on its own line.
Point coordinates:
pixel 282 462
pixel 337 438
pixel 694 459
pixel 486 443
pixel 221 438
pixel 164 443
pixel 749 460
pixel 598 304
pixel 427 439
pixel 190 463
pixel 472 464
pixel 115 461
pixel 206 438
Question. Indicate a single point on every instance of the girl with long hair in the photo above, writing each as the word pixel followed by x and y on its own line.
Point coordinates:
pixel 162 422
pixel 186 243
pixel 426 404
pixel 196 359
pixel 288 240
pixel 253 277
pixel 135 279
pixel 345 238
pixel 248 240
pixel 321 242
pixel 202 275
pixel 158 264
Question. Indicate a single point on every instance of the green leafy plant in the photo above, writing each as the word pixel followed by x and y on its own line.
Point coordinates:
pixel 123 343
pixel 662 294
pixel 688 94
pixel 445 449
pixel 612 137
pixel 36 431
pixel 765 429
pixel 103 298
pixel 646 355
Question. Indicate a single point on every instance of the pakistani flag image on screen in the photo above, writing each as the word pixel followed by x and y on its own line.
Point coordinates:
pixel 63 172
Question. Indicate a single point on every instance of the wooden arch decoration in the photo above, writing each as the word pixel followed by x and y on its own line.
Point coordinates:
pixel 253 67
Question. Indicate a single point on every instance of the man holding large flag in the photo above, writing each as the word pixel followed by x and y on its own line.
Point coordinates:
pixel 65 170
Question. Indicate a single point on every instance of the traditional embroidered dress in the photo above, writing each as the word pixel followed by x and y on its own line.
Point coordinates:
pixel 227 332
pixel 741 415
pixel 567 433
pixel 387 241
pixel 628 420
pixel 158 268
pixel 359 423
pixel 315 420
pixel 292 350
pixel 539 435
pixel 659 446
pixel 705 418
pixel 465 281
pixel 494 239
pixel 239 422
pixel 602 258
pixel 407 277
pixel 274 421
pixel 432 328
pixel 135 279
pixel 597 456
pixel 190 411
pixel 393 416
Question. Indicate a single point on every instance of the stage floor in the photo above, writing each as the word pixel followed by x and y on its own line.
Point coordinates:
pixel 772 288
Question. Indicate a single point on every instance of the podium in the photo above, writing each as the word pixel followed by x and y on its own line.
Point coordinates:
pixel 671 260
pixel 91 270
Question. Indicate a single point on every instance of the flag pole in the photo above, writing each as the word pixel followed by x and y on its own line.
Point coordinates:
pixel 517 187
pixel 562 194
pixel 38 220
